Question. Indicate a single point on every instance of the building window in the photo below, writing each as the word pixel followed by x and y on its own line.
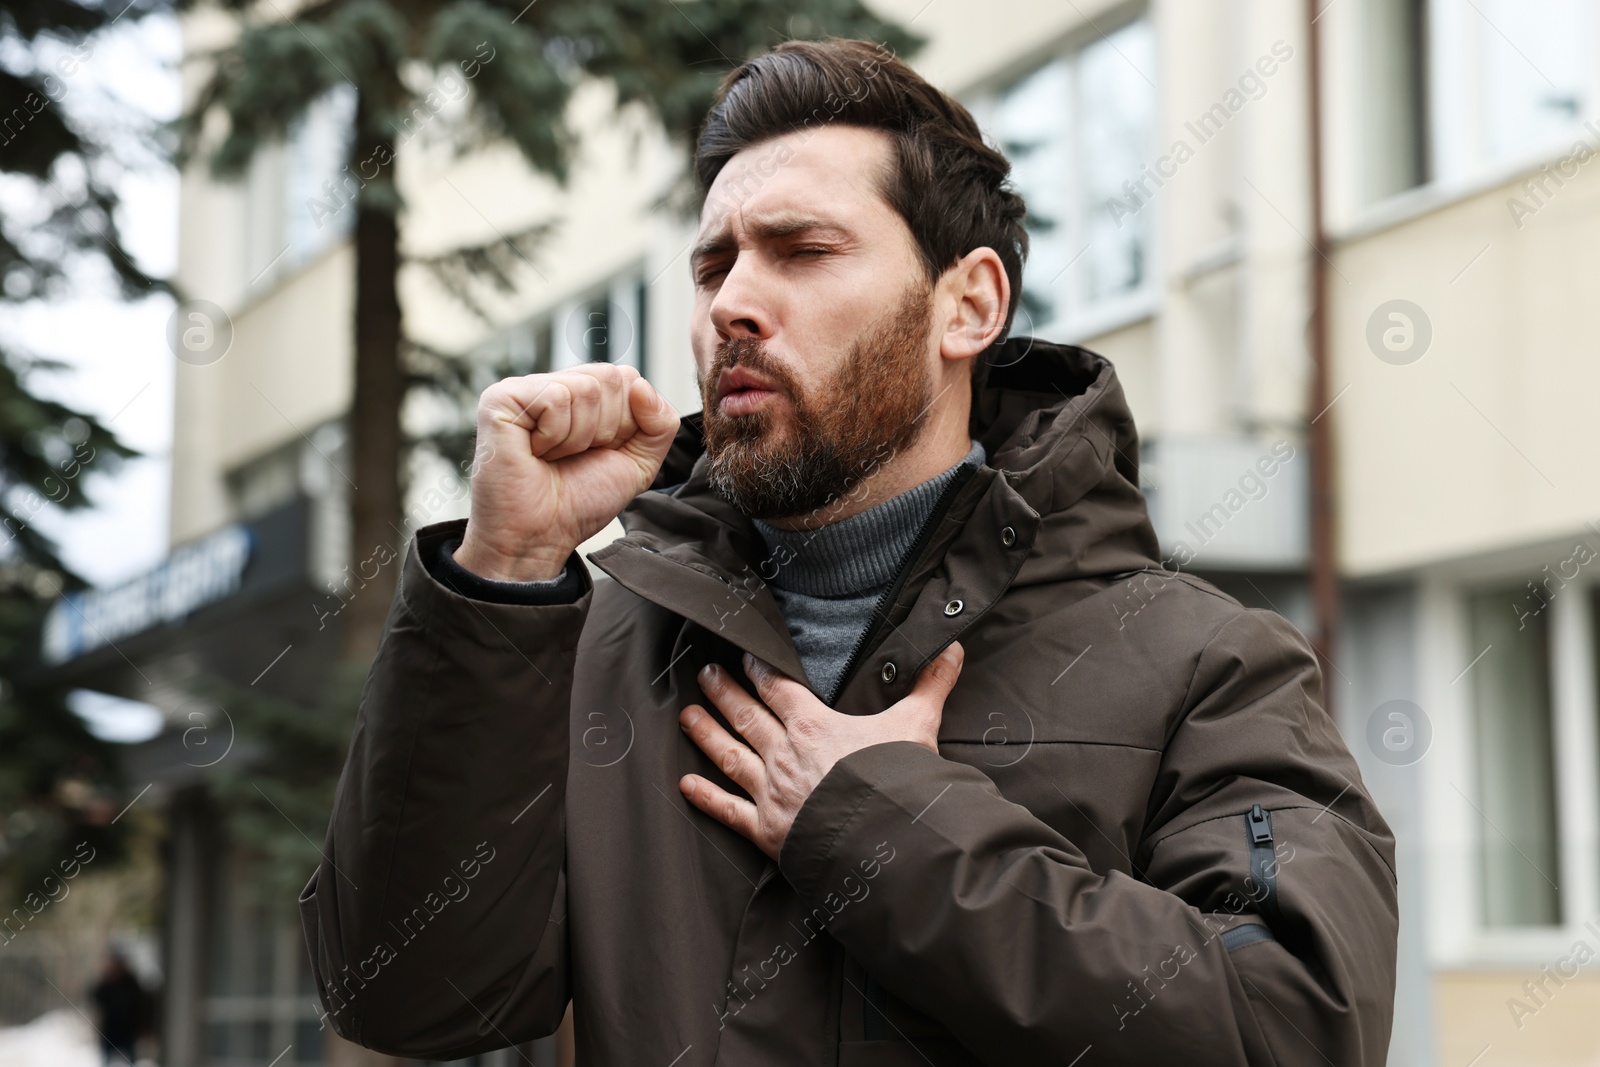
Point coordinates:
pixel 300 193
pixel 1514 734
pixel 320 192
pixel 1078 130
pixel 605 324
pixel 1453 89
pixel 315 469
pixel 1535 73
pixel 599 327
pixel 261 1007
pixel 1394 102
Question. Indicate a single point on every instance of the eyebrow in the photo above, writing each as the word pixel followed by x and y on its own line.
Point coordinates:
pixel 774 228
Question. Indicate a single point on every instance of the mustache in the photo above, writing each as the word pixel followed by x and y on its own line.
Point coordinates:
pixel 750 353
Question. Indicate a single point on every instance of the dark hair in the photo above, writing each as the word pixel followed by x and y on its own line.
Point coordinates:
pixel 948 184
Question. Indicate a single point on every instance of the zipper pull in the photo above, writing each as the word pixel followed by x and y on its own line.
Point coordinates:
pixel 1260 826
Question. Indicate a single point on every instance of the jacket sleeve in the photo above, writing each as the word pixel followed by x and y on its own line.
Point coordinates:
pixel 435 921
pixel 1245 935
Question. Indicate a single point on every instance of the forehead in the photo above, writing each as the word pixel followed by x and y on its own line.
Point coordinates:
pixel 835 171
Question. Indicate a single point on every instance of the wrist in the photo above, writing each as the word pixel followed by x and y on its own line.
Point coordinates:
pixel 497 566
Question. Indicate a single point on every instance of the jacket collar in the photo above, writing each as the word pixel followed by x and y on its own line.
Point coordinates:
pixel 1058 433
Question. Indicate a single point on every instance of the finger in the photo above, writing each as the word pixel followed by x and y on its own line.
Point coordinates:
pixel 657 419
pixel 727 752
pixel 658 426
pixel 735 813
pixel 785 696
pixel 511 409
pixel 939 676
pixel 585 416
pixel 614 415
pixel 748 715
pixel 924 705
pixel 551 413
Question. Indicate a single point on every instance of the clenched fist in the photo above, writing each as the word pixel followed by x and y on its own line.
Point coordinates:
pixel 559 456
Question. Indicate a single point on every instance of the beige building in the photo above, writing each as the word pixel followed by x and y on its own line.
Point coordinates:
pixel 1165 151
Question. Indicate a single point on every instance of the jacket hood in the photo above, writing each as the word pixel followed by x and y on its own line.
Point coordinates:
pixel 1056 428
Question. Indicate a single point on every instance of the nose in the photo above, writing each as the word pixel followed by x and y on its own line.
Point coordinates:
pixel 740 308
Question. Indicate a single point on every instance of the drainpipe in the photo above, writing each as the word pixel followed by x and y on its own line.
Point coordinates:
pixel 1324 562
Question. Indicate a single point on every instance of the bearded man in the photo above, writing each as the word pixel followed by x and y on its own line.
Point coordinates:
pixel 886 738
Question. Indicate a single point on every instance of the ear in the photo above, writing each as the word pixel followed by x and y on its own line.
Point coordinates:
pixel 975 295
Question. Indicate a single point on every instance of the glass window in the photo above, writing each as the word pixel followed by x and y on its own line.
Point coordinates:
pixel 1519 853
pixel 1116 122
pixel 606 325
pixel 640 291
pixel 1394 102
pixel 300 193
pixel 528 349
pixel 1451 89
pixel 309 1037
pixel 1077 130
pixel 596 331
pixel 261 1000
pixel 1536 68
pixel 1592 845
pixel 320 193
pixel 1031 128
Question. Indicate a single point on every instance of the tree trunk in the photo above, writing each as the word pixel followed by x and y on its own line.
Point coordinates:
pixel 376 505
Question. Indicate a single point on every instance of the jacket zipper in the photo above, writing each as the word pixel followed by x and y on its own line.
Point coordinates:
pixel 889 596
pixel 1263 864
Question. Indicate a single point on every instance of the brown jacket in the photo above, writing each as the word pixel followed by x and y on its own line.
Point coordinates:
pixel 1142 839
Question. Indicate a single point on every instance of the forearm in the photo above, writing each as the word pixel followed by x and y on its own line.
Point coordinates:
pixel 989 921
pixel 444 855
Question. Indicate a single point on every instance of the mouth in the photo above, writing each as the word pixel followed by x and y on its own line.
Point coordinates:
pixel 740 392
pixel 745 401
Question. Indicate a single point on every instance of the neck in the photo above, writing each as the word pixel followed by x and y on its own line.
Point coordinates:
pixel 859 553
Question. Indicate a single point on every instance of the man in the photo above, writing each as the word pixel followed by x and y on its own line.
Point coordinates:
pixel 887 740
pixel 123 1008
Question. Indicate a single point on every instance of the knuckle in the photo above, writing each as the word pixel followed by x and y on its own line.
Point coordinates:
pixel 773 696
pixel 555 393
pixel 492 395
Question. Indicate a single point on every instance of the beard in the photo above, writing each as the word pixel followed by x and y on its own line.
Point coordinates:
pixel 770 464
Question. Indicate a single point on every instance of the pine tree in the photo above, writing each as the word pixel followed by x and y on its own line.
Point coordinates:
pixel 666 56
pixel 58 232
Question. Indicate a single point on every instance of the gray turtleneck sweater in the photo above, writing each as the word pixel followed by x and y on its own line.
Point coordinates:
pixel 827 580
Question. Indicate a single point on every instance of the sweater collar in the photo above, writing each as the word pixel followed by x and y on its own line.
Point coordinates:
pixel 857 554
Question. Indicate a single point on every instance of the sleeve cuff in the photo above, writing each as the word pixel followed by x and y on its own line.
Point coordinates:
pixel 833 815
pixel 565 588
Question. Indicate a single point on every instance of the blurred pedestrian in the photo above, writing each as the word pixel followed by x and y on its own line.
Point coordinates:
pixel 124 1010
